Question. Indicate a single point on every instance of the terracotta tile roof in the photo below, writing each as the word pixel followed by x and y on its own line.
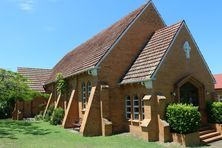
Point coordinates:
pixel 218 84
pixel 151 56
pixel 36 76
pixel 87 55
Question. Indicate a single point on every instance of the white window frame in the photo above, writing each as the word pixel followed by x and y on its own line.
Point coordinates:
pixel 128 106
pixel 136 106
pixel 142 109
pixel 83 95
pixel 89 87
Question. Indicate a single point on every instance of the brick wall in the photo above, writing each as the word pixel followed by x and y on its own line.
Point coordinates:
pixel 122 56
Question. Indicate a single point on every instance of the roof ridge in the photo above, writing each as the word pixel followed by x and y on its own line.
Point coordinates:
pixel 142 9
pixel 180 22
pixel 33 68
pixel 102 31
pixel 99 43
pixel 145 73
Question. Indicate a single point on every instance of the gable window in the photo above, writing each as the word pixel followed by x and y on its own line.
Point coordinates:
pixel 142 108
pixel 83 95
pixel 89 87
pixel 128 107
pixel 136 108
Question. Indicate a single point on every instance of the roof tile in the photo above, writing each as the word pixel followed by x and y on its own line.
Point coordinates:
pixel 36 76
pixel 218 79
pixel 89 54
pixel 150 57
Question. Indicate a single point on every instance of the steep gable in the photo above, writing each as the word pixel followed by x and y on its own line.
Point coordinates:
pixel 87 55
pixel 151 56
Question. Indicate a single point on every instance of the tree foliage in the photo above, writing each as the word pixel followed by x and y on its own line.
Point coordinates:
pixel 14 86
pixel 60 83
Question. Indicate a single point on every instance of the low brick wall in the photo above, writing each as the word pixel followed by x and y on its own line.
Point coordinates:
pixel 192 139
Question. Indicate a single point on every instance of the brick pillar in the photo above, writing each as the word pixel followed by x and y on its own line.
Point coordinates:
pixel 164 127
pixel 48 103
pixel 150 123
pixel 105 111
pixel 71 113
pixel 91 123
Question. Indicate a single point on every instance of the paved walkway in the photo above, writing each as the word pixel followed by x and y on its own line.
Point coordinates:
pixel 217 144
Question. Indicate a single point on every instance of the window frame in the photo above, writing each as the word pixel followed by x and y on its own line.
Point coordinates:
pixel 142 109
pixel 128 99
pixel 84 98
pixel 89 88
pixel 136 107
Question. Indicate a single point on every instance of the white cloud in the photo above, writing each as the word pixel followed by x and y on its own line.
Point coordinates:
pixel 26 5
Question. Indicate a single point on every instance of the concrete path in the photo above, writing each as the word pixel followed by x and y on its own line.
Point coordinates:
pixel 217 144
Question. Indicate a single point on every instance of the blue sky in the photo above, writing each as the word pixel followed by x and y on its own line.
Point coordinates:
pixel 38 33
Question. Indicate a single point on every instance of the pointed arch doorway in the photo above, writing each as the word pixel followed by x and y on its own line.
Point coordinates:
pixel 191 91
pixel 189 94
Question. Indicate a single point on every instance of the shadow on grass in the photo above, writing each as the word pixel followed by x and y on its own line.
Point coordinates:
pixel 10 129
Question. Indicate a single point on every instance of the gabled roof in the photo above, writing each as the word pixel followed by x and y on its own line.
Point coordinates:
pixel 150 57
pixel 87 55
pixel 36 76
pixel 218 84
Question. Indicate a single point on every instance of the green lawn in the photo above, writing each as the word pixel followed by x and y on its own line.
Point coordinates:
pixel 20 134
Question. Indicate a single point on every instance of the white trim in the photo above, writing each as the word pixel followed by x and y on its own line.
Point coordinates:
pixel 93 72
pixel 148 84
pixel 123 34
pixel 76 73
pixel 167 51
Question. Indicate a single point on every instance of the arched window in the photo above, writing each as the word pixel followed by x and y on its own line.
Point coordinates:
pixel 89 87
pixel 142 108
pixel 83 95
pixel 128 107
pixel 136 108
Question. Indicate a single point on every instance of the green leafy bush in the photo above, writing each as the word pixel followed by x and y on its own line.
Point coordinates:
pixel 5 109
pixel 49 113
pixel 214 110
pixel 183 118
pixel 39 117
pixel 57 116
pixel 61 84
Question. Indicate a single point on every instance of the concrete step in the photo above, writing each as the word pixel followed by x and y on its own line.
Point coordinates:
pixel 213 139
pixel 207 132
pixel 209 135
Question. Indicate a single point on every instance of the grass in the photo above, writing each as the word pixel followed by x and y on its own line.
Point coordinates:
pixel 26 134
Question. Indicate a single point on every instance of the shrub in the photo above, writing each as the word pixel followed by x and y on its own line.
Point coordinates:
pixel 4 110
pixel 49 113
pixel 39 117
pixel 57 116
pixel 183 118
pixel 214 110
